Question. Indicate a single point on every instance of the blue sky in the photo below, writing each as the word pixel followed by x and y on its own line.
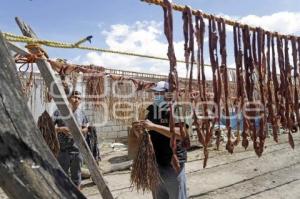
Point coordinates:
pixel 132 25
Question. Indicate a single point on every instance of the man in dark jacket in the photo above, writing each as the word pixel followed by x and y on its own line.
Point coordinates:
pixel 173 184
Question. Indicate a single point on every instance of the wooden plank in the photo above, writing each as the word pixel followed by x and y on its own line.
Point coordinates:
pixel 16 49
pixel 28 169
pixel 54 84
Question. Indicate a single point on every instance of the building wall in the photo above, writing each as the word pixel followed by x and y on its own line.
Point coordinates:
pixel 112 129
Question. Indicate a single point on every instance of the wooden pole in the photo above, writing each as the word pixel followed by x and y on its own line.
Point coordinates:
pixel 28 169
pixel 54 84
pixel 16 49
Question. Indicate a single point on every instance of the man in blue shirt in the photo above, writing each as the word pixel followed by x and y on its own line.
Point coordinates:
pixel 69 156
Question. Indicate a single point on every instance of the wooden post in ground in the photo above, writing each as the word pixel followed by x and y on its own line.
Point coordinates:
pixel 28 169
pixel 55 86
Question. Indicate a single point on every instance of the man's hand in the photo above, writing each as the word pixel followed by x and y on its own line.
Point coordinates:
pixel 147 124
pixel 64 130
pixel 84 130
pixel 163 130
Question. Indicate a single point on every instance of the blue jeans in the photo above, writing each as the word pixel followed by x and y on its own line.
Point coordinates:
pixel 73 161
pixel 173 185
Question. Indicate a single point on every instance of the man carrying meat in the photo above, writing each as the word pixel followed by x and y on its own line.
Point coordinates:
pixel 173 184
pixel 69 156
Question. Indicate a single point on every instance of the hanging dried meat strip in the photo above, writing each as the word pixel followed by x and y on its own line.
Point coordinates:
pixel 94 85
pixel 261 81
pixel 200 31
pixel 248 63
pixel 282 86
pixel 224 73
pixel 26 60
pixel 142 85
pixel 188 30
pixel 139 84
pixel 187 50
pixel 238 53
pixel 173 76
pixel 289 115
pixel 271 116
pixel 199 131
pixel 254 49
pixel 199 41
pixel 213 51
pixel 275 89
pixel 288 83
pixel 296 76
pixel 251 66
pixel 168 29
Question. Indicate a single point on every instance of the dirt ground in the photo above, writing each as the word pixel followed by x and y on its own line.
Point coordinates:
pixel 241 175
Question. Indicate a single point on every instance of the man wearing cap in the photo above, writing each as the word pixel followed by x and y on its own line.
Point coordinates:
pixel 173 184
pixel 69 156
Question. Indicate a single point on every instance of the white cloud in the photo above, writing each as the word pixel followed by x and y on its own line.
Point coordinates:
pixel 283 22
pixel 143 37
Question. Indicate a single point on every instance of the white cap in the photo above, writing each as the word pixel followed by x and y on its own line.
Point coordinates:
pixel 161 86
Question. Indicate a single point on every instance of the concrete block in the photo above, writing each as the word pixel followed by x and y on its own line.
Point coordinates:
pixel 122 134
pixel 115 128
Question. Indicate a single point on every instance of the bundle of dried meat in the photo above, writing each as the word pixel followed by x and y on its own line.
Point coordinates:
pixel 144 173
pixel 46 126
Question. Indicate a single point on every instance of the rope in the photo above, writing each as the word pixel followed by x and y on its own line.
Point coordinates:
pixel 208 16
pixel 35 52
pixel 55 44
